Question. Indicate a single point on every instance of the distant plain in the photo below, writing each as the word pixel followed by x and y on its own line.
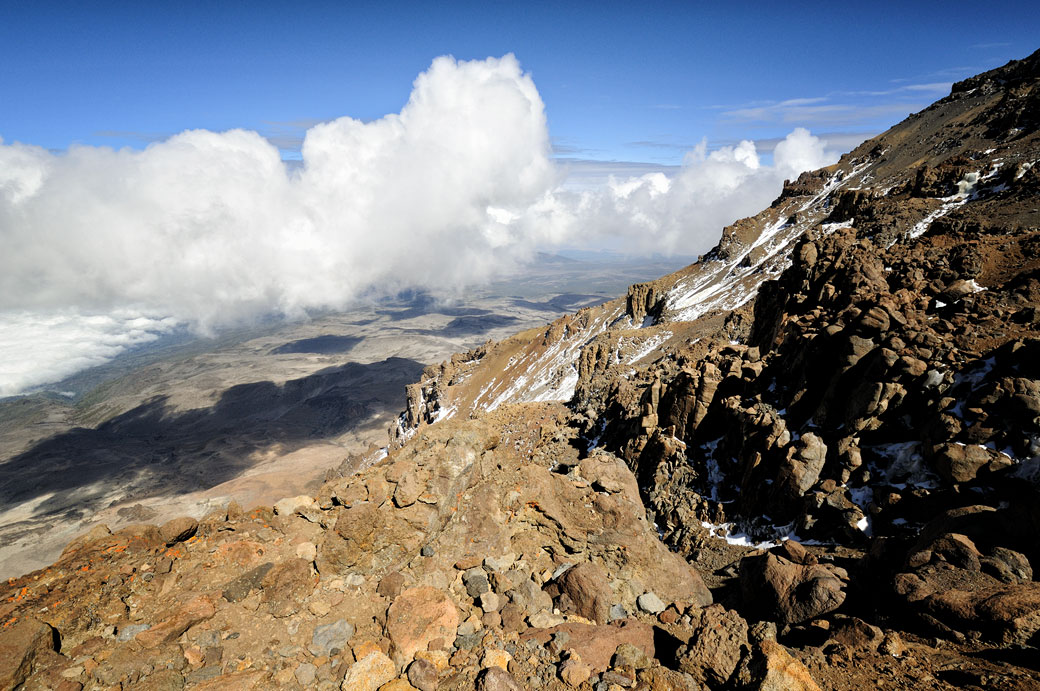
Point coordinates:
pixel 185 425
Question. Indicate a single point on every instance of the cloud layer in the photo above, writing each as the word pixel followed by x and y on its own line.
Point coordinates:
pixel 210 229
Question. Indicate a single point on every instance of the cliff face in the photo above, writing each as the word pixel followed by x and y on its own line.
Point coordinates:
pixel 832 420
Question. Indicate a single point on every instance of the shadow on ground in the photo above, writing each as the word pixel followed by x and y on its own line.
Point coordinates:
pixel 322 345
pixel 152 450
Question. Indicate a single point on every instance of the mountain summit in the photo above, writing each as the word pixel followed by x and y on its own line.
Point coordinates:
pixel 809 460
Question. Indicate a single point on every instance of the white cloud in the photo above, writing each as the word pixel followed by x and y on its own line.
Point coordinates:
pixel 39 348
pixel 682 213
pixel 210 229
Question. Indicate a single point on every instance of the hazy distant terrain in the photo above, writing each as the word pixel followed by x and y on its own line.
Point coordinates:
pixel 183 425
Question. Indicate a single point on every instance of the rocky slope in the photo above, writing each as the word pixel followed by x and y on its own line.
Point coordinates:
pixel 832 419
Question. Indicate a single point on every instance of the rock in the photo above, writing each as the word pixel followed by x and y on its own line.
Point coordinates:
pixel 476 582
pixel 418 616
pixel 20 647
pixel 408 489
pixel 786 592
pixel 397 685
pixel 649 602
pixel 716 647
pixel 598 643
pixel 771 668
pixel 489 602
pixel 855 633
pixel 286 585
pixel 511 617
pixel 369 673
pixel 371 540
pixel 307 551
pixel 178 529
pixel 331 637
pixel 127 633
pixel 234 681
pixel 305 674
pixel 624 678
pixel 422 674
pixel 502 563
pixel 391 585
pixel 1009 614
pixel 495 658
pixel 290 505
pixel 574 672
pixel 762 631
pixel 804 463
pixel 793 551
pixel 162 680
pixel 1014 563
pixel 628 655
pixel 586 585
pixel 544 620
pixel 497 679
pixel 191 613
pixel 239 588
pixel 892 644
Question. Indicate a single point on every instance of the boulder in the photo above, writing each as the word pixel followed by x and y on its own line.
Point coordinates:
pixel 290 505
pixel 590 594
pixel 772 668
pixel 418 616
pixel 178 529
pixel 597 644
pixel 801 470
pixel 717 645
pixel 786 592
pixel 422 674
pixel 20 647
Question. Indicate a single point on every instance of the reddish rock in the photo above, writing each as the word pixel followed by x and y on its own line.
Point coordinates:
pixel 598 643
pixel 417 617
pixel 193 612
pixel 772 668
pixel 590 594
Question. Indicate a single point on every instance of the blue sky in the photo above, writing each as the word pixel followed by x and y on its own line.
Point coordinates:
pixel 620 81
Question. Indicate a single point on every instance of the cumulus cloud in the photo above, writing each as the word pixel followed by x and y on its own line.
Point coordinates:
pixel 681 213
pixel 208 228
pixel 211 228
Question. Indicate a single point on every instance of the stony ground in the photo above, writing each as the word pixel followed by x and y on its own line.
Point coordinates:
pixel 488 552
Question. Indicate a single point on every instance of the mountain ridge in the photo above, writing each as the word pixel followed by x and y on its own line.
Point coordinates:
pixel 832 420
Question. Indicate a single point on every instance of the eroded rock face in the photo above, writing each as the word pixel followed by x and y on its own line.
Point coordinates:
pixel 21 647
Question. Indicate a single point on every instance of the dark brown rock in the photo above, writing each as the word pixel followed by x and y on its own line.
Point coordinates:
pixel 786 592
pixel 586 585
pixel 20 647
pixel 497 679
pixel 178 529
pixel 717 646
